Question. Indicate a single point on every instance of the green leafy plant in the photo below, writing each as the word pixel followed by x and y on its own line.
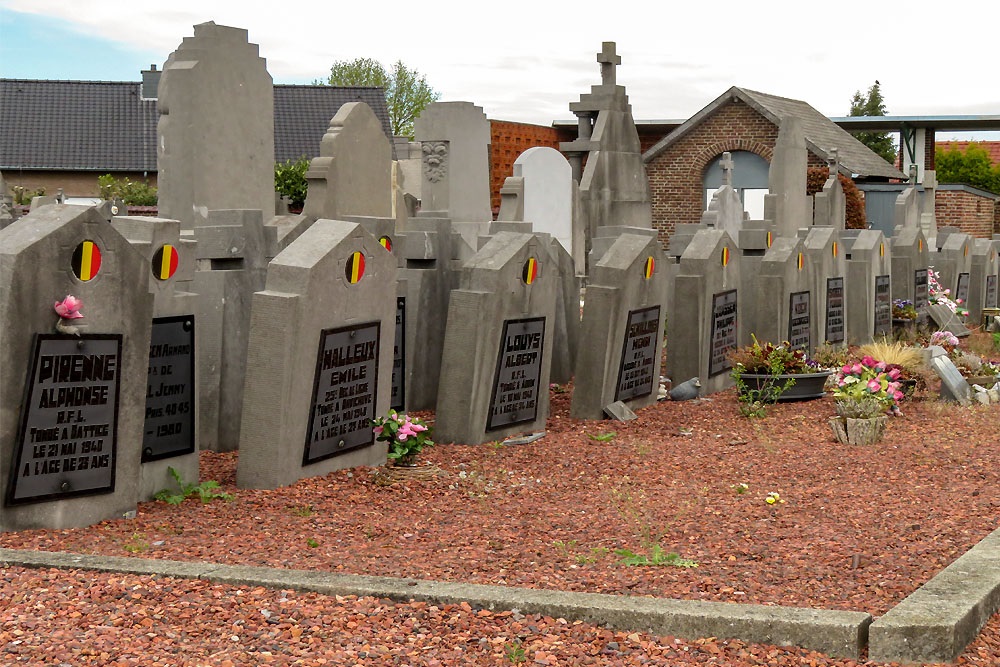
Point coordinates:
pixel 137 543
pixel 603 437
pixel 311 543
pixel 740 488
pixel 131 192
pixel 515 653
pixel 290 181
pixel 406 437
pixel 23 196
pixel 206 491
pixel 776 363
pixel 302 510
pixel 596 554
pixel 656 556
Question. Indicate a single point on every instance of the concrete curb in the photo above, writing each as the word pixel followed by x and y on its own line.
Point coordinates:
pixel 841 634
pixel 937 621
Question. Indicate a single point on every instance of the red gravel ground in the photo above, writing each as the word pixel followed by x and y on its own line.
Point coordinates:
pixel 858 529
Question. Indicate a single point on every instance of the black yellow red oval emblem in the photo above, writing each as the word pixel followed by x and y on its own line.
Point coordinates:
pixel 800 261
pixel 86 260
pixel 835 249
pixel 165 262
pixel 649 269
pixel 386 243
pixel 355 268
pixel 530 271
pixel 725 255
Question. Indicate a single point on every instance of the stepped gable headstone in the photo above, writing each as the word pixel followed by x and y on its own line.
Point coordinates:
pixel 74 395
pixel 910 259
pixel 232 255
pixel 705 312
pixel 353 173
pixel 623 326
pixel 310 395
pixel 498 343
pixel 216 127
pixel 754 240
pixel 830 204
pixel 725 211
pixel 613 184
pixel 869 285
pixel 953 261
pixel 827 267
pixel 170 431
pixel 906 211
pixel 780 298
pixel 787 205
pixel 983 278
pixel 928 216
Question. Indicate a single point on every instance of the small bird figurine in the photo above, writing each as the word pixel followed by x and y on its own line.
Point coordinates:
pixel 686 390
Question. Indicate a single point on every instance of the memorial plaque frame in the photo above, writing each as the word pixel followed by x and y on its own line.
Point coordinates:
pixel 799 337
pixel 355 430
pixel 644 316
pixel 991 291
pixel 883 305
pixel 502 389
pixel 723 336
pixel 921 296
pixel 834 327
pixel 962 288
pixel 55 452
pixel 180 407
pixel 397 398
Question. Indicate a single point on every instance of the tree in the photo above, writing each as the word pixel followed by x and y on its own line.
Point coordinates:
pixel 290 181
pixel 407 92
pixel 872 104
pixel 971 166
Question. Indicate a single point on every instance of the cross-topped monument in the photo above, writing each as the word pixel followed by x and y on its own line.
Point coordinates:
pixel 609 60
pixel 726 163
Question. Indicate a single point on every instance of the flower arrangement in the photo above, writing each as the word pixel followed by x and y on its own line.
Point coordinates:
pixel 771 359
pixel 938 294
pixel 406 436
pixel 869 379
pixel 945 339
pixel 903 309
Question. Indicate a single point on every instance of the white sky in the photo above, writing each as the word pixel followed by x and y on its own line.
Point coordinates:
pixel 526 61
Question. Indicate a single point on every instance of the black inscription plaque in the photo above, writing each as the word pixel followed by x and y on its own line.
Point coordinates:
pixel 723 336
pixel 883 306
pixel 798 320
pixel 991 291
pixel 835 310
pixel 69 422
pixel 169 426
pixel 344 392
pixel 635 372
pixel 962 289
pixel 397 400
pixel 920 296
pixel 519 370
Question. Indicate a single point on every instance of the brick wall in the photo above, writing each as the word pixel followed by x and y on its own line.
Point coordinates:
pixel 73 183
pixel 675 176
pixel 974 214
pixel 507 141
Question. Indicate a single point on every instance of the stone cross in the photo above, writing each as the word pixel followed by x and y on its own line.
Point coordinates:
pixel 609 60
pixel 831 162
pixel 727 168
pixel 913 174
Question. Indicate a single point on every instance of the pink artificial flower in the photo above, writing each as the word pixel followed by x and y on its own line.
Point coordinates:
pixel 418 428
pixel 880 367
pixel 846 370
pixel 378 430
pixel 868 361
pixel 894 374
pixel 874 386
pixel 69 308
pixel 857 369
pixel 401 436
pixel 897 396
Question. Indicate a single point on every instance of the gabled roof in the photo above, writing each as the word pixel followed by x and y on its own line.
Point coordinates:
pixel 821 133
pixel 105 126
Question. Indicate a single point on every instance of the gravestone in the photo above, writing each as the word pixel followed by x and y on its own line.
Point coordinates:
pixel 928 216
pixel 786 203
pixel 906 210
pixel 310 397
pixel 953 261
pixel 623 326
pixel 869 286
pixel 830 204
pixel 754 241
pixel 498 343
pixel 70 446
pixel 455 145
pixel 827 269
pixel 606 156
pixel 725 211
pixel 954 386
pixel 910 259
pixel 215 145
pixel 780 298
pixel 703 321
pixel 983 278
pixel 170 432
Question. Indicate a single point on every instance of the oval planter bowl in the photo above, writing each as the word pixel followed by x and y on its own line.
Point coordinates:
pixel 807 385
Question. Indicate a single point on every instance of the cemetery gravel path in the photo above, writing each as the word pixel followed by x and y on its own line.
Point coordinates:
pixel 859 529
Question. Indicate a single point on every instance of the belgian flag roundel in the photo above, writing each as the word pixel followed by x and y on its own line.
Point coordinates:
pixel 530 271
pixel 650 268
pixel 86 260
pixel 386 243
pixel 165 262
pixel 835 249
pixel 770 239
pixel 355 267
pixel 725 255
pixel 800 261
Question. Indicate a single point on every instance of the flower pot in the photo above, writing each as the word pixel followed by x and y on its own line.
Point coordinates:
pixel 908 387
pixel 807 385
pixel 407 461
pixel 850 431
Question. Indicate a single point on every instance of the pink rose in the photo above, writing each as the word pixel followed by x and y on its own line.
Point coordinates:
pixel 69 308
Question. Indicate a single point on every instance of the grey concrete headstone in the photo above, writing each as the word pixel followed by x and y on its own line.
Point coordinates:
pixel 869 304
pixel 910 258
pixel 85 393
pixel 779 296
pixel 787 204
pixel 953 385
pixel 310 396
pixel 983 286
pixel 945 320
pixel 827 268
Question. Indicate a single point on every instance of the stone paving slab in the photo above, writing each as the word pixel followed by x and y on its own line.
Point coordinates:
pixel 937 621
pixel 835 633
